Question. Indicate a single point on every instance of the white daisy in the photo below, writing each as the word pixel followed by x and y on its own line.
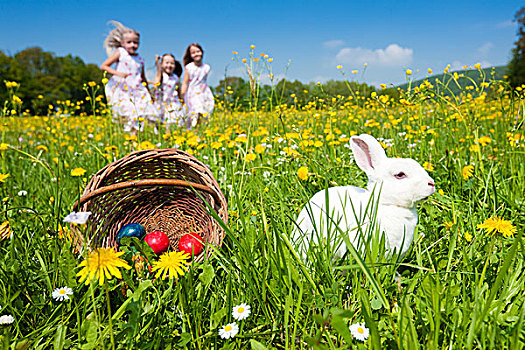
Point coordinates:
pixel 359 331
pixel 229 331
pixel 240 312
pixel 61 294
pixel 79 218
pixel 6 319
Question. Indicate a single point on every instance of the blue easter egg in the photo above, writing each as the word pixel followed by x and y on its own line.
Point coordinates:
pixel 131 230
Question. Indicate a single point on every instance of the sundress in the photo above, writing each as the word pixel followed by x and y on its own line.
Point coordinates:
pixel 128 97
pixel 167 103
pixel 199 98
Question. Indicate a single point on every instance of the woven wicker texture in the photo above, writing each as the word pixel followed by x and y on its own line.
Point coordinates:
pixel 161 189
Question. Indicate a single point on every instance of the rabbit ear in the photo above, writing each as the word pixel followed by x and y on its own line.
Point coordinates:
pixel 368 153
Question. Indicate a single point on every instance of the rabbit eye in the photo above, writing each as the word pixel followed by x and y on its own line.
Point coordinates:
pixel 400 175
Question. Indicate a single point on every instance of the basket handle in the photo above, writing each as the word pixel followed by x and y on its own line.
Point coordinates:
pixel 147 182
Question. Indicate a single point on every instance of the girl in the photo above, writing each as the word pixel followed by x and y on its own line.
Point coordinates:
pixel 167 90
pixel 126 93
pixel 196 93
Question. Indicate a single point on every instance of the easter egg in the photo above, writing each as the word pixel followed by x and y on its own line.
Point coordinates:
pixel 191 243
pixel 158 241
pixel 131 230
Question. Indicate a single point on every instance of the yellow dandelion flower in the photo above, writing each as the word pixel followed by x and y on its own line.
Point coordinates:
pixel 259 148
pixel 103 264
pixel 408 72
pixel 428 166
pixel 78 172
pixel 171 264
pixel 474 148
pixel 5 230
pixel 146 145
pixel 468 236
pixel 250 157
pixel 430 71
pixel 3 177
pixel 252 47
pixel 339 67
pixel 216 145
pixel 3 146
pixel 500 225
pixel 467 171
pixel 302 173
pixel 484 140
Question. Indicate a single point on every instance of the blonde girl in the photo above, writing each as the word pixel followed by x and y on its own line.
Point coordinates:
pixel 126 91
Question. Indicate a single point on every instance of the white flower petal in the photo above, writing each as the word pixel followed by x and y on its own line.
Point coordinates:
pixel 6 319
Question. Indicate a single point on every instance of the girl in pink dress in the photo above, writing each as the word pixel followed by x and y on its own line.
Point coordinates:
pixel 126 90
pixel 197 94
pixel 167 90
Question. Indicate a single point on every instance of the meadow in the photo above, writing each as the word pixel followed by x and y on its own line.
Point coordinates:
pixel 461 285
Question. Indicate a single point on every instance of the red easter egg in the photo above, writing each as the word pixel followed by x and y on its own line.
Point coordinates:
pixel 158 241
pixel 191 243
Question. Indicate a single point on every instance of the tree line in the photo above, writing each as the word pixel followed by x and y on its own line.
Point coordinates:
pixel 44 78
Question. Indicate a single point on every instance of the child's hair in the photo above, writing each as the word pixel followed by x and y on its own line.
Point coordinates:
pixel 116 36
pixel 178 67
pixel 187 56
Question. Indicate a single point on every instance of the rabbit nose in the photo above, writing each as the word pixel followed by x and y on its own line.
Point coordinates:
pixel 431 183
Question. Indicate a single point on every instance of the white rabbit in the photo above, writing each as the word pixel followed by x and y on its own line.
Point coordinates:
pixel 400 184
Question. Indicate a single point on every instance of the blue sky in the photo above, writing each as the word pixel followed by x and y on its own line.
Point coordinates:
pixel 307 39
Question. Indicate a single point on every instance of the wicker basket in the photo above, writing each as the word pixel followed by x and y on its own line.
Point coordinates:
pixel 161 189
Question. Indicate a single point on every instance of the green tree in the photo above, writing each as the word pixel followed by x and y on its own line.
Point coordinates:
pixel 234 92
pixel 45 78
pixel 517 64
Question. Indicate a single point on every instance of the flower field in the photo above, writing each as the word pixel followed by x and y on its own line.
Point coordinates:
pixel 461 285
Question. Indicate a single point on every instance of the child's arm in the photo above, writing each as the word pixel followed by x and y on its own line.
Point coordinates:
pixel 143 75
pixel 158 77
pixel 106 65
pixel 179 92
pixel 184 88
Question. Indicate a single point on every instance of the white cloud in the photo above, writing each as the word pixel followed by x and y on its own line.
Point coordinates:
pixel 333 44
pixel 484 49
pixel 393 55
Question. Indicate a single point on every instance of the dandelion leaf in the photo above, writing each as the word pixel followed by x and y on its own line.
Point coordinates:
pixel 60 337
pixel 217 317
pixel 207 275
pixel 257 345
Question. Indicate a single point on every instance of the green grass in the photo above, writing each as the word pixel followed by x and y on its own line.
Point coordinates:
pixel 447 292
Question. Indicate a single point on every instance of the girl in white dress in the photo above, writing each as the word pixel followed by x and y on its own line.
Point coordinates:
pixel 197 95
pixel 167 90
pixel 126 91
